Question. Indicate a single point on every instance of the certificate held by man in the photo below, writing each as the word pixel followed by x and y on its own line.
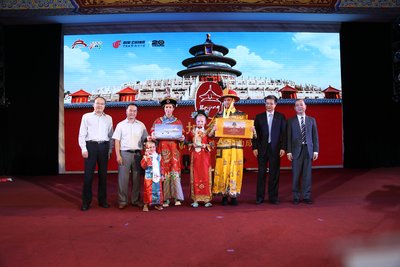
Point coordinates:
pixel 234 128
pixel 167 131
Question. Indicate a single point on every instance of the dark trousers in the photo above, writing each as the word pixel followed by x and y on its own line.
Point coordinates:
pixel 302 167
pixel 98 154
pixel 274 170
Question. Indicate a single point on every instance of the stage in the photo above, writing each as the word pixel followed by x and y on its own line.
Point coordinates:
pixel 42 225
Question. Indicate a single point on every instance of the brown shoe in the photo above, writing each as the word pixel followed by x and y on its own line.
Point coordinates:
pixel 122 206
pixel 158 207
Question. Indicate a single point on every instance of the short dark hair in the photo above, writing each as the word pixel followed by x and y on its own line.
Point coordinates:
pixel 131 104
pixel 271 97
pixel 97 97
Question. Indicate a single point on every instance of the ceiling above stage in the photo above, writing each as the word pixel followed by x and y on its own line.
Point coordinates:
pixel 127 11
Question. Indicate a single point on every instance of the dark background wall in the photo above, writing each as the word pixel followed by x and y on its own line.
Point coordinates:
pixel 29 125
pixel 370 116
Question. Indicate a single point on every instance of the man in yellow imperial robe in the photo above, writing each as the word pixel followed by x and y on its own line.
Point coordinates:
pixel 228 171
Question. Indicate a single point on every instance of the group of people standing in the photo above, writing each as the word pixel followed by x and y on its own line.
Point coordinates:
pixel 273 136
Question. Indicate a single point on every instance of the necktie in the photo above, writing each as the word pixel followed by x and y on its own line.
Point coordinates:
pixel 269 127
pixel 303 131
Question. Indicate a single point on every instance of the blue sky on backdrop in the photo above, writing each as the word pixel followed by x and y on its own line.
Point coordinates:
pixel 305 58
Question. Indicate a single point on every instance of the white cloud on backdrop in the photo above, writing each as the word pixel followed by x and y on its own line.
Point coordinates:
pixel 251 63
pixel 326 44
pixel 151 71
pixel 75 60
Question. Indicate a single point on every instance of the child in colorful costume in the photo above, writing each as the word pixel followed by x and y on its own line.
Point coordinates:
pixel 200 145
pixel 153 193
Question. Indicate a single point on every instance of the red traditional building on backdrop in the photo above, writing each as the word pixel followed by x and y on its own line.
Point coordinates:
pixel 288 92
pixel 80 96
pixel 127 94
pixel 332 93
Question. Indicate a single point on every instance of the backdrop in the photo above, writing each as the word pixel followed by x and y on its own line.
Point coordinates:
pixel 328 116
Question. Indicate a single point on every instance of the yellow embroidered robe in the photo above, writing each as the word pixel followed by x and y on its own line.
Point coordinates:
pixel 228 171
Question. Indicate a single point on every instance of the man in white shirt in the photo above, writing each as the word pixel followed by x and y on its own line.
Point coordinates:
pixel 94 139
pixel 129 136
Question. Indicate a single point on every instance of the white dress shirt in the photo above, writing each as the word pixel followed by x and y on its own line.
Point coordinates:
pixel 270 117
pixel 130 134
pixel 299 119
pixel 95 128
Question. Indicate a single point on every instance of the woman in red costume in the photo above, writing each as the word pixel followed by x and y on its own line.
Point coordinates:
pixel 169 149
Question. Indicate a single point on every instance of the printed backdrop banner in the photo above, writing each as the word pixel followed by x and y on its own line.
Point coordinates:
pixel 328 116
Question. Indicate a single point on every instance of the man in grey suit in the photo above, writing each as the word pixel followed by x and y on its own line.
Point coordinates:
pixel 302 149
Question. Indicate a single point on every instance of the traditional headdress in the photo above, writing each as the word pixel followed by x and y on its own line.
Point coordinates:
pixel 229 93
pixel 168 100
pixel 200 112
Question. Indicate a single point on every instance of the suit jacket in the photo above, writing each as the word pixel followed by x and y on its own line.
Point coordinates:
pixel 294 136
pixel 278 133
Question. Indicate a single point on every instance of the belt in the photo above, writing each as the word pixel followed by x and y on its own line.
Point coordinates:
pixel 97 142
pixel 132 151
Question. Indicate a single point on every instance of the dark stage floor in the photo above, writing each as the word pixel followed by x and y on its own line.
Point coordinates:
pixel 355 217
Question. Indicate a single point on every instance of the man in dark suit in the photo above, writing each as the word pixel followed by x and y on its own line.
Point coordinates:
pixel 302 149
pixel 269 145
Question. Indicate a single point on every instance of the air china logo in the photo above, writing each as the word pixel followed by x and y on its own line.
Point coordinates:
pixel 207 95
pixel 138 43
pixel 78 43
pixel 116 44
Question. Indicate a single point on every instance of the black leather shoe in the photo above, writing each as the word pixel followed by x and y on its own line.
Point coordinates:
pixel 274 202
pixel 259 201
pixel 296 201
pixel 138 204
pixel 104 205
pixel 224 201
pixel 308 201
pixel 84 207
pixel 234 201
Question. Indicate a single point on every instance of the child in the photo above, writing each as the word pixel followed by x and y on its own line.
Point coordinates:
pixel 200 163
pixel 152 194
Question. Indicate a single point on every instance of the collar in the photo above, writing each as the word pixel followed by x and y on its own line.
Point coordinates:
pixel 102 114
pixel 127 121
pixel 165 119
pixel 229 111
pixel 299 116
